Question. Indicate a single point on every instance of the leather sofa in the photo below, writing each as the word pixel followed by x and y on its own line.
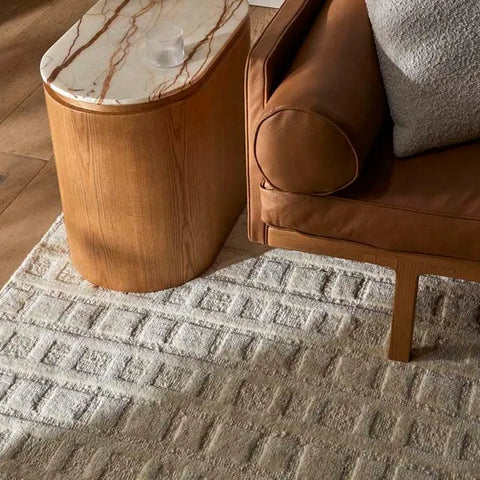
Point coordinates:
pixel 322 176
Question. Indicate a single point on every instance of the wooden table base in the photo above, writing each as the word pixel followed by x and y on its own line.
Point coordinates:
pixel 150 192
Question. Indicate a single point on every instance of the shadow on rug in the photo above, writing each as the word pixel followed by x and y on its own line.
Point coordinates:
pixel 270 366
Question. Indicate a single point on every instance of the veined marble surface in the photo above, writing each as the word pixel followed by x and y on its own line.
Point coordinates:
pixel 103 59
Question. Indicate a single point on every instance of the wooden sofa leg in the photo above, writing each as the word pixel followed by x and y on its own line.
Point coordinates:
pixel 406 287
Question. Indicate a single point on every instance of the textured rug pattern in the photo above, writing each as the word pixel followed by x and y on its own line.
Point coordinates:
pixel 271 366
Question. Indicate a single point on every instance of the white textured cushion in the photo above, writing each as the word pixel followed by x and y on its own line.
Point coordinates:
pixel 429 52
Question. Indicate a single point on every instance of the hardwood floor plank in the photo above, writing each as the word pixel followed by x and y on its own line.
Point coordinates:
pixel 25 131
pixel 26 220
pixel 15 174
pixel 14 9
pixel 24 38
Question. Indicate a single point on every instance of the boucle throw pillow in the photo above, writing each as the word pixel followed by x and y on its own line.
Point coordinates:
pixel 429 53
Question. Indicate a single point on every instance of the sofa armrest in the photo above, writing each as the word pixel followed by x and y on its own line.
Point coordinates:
pixel 267 64
pixel 275 50
pixel 321 121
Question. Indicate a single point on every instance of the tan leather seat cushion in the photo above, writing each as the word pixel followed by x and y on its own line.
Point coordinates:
pixel 426 204
pixel 321 121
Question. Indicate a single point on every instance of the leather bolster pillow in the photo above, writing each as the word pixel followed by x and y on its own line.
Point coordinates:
pixel 320 123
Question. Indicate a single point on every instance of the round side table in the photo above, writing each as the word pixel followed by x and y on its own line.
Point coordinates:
pixel 150 161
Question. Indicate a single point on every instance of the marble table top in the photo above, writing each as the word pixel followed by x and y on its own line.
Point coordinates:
pixel 102 59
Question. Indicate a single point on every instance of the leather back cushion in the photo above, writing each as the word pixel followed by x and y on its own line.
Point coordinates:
pixel 321 121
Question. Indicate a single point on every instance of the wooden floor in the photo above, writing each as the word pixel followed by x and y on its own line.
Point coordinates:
pixel 29 197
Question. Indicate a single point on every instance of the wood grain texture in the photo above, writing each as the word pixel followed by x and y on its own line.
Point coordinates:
pixel 25 220
pixel 150 197
pixel 408 268
pixel 15 174
pixel 25 131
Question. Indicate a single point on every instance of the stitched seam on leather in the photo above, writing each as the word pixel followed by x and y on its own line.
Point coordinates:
pixel 378 205
pixel 285 108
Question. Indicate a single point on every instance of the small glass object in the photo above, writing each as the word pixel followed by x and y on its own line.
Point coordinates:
pixel 165 45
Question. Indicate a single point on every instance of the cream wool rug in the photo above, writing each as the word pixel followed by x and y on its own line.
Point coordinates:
pixel 271 366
